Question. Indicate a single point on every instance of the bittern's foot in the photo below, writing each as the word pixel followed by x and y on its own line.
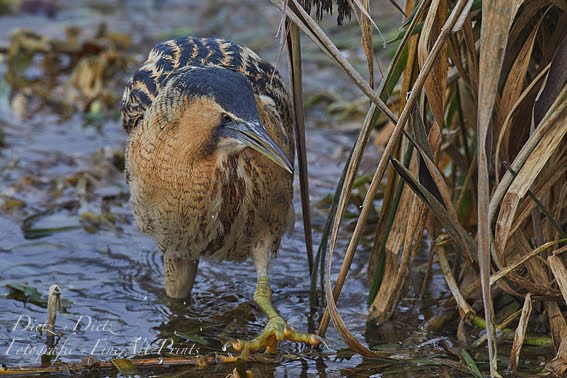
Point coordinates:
pixel 276 330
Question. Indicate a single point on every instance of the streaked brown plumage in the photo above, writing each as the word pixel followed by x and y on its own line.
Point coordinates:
pixel 191 112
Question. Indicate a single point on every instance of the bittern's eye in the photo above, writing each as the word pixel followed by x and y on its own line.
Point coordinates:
pixel 226 118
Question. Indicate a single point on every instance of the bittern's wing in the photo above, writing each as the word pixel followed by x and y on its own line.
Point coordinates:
pixel 182 53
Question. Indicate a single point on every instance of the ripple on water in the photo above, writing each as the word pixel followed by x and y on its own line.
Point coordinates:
pixel 114 275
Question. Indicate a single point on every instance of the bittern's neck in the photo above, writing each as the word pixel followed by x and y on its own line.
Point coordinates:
pixel 227 164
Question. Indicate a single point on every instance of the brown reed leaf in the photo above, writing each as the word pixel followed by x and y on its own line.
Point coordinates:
pixel 388 297
pixel 529 171
pixel 435 85
pixel 366 38
pixel 558 365
pixel 520 334
pixel 548 121
pixel 514 85
pixel 560 273
pixel 438 197
pixel 528 92
pixel 554 82
pixel 465 310
pixel 496 21
pixel 536 278
pixel 558 328
pixel 540 188
pixel 452 227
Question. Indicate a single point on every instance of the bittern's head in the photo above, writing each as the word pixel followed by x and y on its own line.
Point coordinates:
pixel 220 114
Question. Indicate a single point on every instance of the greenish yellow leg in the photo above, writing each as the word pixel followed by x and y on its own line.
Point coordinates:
pixel 277 328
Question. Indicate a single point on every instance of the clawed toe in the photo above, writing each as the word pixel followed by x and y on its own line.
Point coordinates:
pixel 276 330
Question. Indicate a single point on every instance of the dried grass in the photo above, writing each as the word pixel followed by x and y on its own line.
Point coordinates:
pixel 479 83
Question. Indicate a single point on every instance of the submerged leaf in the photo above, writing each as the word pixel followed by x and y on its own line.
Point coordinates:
pixel 27 294
pixel 470 363
pixel 193 338
pixel 125 366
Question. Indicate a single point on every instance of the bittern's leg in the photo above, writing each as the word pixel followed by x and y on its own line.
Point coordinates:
pixel 180 274
pixel 277 328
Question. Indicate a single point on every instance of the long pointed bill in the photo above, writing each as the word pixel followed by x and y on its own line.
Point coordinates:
pixel 255 135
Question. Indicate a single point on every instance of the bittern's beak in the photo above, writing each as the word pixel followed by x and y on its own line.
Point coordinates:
pixel 254 135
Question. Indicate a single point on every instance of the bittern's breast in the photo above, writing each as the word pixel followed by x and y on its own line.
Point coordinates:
pixel 215 207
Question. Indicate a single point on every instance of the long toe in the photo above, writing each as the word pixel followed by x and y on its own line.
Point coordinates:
pixel 276 330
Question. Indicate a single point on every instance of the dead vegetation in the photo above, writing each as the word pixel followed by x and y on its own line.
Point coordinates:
pixel 65 76
pixel 476 162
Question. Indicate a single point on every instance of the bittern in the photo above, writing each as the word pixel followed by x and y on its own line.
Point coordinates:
pixel 209 165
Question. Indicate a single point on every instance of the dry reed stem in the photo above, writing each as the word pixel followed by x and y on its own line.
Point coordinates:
pixel 498 327
pixel 505 271
pixel 294 52
pixel 466 312
pixel 53 305
pixel 366 37
pixel 149 363
pixel 368 200
pixel 496 20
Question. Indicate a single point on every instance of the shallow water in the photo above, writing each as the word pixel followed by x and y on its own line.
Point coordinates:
pixel 115 274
